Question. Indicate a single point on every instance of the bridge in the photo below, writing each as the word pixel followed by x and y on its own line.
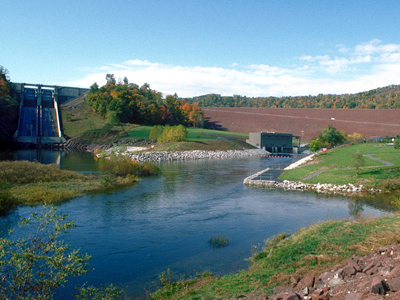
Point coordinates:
pixel 39 119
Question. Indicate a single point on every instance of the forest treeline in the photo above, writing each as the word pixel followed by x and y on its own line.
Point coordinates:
pixel 124 102
pixel 9 105
pixel 381 98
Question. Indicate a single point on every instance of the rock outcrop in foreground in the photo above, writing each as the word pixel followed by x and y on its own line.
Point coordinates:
pixel 372 277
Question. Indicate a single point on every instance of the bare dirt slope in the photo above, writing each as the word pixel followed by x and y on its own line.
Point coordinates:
pixel 306 123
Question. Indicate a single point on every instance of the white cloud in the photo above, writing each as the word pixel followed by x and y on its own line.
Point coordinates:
pixel 350 70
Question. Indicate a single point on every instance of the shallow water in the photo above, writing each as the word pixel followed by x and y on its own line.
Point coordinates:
pixel 164 222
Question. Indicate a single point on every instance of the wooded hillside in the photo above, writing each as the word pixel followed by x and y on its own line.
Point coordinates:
pixel 128 103
pixel 381 98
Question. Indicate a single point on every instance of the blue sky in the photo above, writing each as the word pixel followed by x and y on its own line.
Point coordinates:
pixel 193 47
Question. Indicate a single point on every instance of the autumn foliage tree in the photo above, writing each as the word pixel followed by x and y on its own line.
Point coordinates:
pixel 381 98
pixel 126 102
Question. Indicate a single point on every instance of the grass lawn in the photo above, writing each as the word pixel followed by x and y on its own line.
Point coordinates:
pixel 194 134
pixel 341 157
pixel 198 139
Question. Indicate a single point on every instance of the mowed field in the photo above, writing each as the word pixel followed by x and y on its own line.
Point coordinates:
pixel 306 123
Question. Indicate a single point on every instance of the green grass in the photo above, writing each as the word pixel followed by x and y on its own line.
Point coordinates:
pixel 341 157
pixel 315 248
pixel 85 126
pixel 194 134
pixel 139 132
pixel 198 139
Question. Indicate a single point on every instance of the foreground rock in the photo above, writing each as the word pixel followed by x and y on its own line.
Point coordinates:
pixel 372 277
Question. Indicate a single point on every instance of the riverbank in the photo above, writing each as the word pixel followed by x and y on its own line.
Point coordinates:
pixel 287 259
pixel 32 183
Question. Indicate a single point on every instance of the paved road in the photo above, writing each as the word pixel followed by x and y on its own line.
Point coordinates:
pixel 388 164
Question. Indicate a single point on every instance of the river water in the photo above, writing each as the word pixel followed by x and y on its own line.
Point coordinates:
pixel 165 221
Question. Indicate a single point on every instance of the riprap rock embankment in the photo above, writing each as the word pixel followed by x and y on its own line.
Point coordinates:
pixel 325 188
pixel 195 154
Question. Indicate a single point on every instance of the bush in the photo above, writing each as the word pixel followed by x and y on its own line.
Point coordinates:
pixel 156 132
pixel 125 166
pixel 396 143
pixel 120 166
pixel 149 169
pixel 315 145
pixel 357 137
pixel 169 133
pixel 390 184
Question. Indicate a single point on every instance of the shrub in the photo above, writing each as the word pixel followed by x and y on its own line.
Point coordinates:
pixel 356 137
pixel 171 134
pixel 149 168
pixel 125 166
pixel 315 145
pixel 120 166
pixel 396 143
pixel 156 132
pixel 390 184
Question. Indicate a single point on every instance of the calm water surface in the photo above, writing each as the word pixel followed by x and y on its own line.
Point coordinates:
pixel 164 222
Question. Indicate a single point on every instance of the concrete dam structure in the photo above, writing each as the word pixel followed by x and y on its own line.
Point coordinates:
pixel 39 120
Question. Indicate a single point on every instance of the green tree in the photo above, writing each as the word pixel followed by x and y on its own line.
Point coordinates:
pixel 173 134
pixel 180 133
pixel 8 108
pixel 357 161
pixel 34 267
pixel 315 145
pixel 155 132
pixel 331 136
pixel 396 143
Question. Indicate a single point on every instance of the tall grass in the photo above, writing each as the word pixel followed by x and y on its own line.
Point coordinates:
pixel 23 172
pixel 125 166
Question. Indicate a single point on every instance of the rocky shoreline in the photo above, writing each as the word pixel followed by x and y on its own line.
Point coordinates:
pixel 374 277
pixel 326 188
pixel 160 156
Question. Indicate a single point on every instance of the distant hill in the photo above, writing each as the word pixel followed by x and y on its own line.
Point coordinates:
pixel 381 98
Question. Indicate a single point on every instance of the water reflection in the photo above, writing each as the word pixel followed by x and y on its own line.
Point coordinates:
pixel 67 160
